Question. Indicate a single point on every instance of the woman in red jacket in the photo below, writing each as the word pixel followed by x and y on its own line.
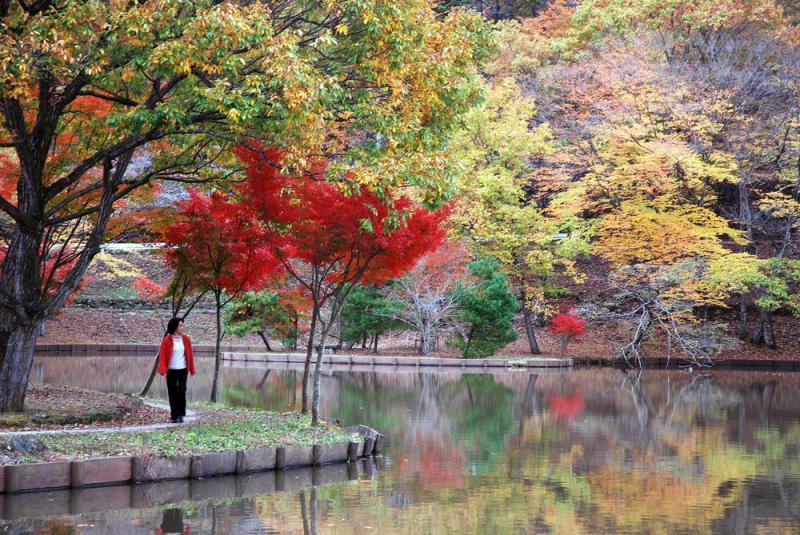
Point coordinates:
pixel 176 361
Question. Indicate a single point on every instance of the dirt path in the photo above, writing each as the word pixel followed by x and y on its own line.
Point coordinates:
pixel 191 417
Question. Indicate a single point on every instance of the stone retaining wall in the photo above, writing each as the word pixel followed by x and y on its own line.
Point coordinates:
pixel 16 478
pixel 87 500
pixel 375 360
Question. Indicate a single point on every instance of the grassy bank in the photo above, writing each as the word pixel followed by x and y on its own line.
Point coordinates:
pixel 215 428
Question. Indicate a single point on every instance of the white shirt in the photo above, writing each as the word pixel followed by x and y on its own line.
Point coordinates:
pixel 178 359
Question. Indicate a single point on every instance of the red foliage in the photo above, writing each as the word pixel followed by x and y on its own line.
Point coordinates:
pixel 219 244
pixel 148 289
pixel 570 325
pixel 315 222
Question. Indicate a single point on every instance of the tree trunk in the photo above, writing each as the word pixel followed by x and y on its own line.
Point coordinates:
pixel 217 344
pixel 309 354
pixel 364 341
pixel 265 340
pixel 743 317
pixel 425 335
pixel 564 340
pixel 375 344
pixel 318 376
pixel 531 334
pixel 150 379
pixel 17 345
pixel 760 333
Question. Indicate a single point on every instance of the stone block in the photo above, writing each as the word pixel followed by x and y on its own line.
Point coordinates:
pixel 23 477
pixel 474 363
pixel 369 445
pixel 153 494
pixel 497 363
pixel 330 453
pixel 254 460
pixel 213 464
pixel 451 362
pixel 90 500
pixel 103 471
pixel 355 450
pixel 256 483
pixel 291 456
pixel 378 447
pixel 160 468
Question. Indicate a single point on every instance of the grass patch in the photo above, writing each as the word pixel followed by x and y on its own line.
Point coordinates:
pixel 237 431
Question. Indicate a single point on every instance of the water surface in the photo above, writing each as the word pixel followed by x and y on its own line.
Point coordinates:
pixel 584 451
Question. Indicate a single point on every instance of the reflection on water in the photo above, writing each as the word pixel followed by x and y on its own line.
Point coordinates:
pixel 587 451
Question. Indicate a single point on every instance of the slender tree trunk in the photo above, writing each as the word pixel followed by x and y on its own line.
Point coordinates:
pixel 743 316
pixel 564 340
pixel 364 341
pixel 318 376
pixel 760 333
pixel 217 344
pixel 150 379
pixel 375 344
pixel 309 355
pixel 265 340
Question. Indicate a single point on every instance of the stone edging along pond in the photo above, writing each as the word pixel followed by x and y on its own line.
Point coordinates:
pixel 15 478
pixel 256 354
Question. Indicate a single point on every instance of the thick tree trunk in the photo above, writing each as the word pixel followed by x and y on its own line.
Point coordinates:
pixel 217 345
pixel 17 345
pixel 425 335
pixel 309 355
pixel 530 333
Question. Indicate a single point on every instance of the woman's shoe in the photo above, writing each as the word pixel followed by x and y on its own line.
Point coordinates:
pixel 180 419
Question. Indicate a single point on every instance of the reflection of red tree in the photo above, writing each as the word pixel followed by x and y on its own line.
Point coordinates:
pixel 434 461
pixel 567 407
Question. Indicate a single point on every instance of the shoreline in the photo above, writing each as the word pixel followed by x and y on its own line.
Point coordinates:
pixel 256 354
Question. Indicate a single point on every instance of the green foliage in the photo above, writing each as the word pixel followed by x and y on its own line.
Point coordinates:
pixel 369 312
pixel 486 309
pixel 261 313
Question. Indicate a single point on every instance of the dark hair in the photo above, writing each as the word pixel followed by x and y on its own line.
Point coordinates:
pixel 172 326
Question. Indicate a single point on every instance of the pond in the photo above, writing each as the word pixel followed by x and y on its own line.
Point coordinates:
pixel 595 450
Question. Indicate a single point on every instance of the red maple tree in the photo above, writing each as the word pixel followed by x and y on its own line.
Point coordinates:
pixel 568 326
pixel 222 248
pixel 329 240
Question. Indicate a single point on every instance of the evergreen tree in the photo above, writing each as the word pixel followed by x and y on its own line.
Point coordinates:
pixel 264 314
pixel 486 310
pixel 367 314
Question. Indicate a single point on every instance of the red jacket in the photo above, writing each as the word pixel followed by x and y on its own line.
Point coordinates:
pixel 165 353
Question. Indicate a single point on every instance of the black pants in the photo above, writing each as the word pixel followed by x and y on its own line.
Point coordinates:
pixel 176 388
